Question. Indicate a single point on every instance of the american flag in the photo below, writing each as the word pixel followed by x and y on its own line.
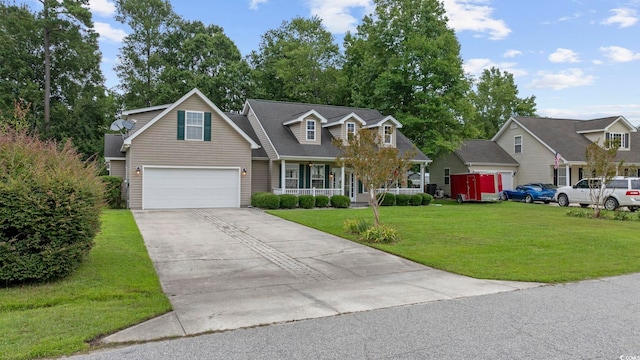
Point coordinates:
pixel 556 162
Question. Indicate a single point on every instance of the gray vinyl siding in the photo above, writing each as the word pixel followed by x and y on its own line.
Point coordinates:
pixel 536 161
pixel 300 131
pixel 158 146
pixel 394 132
pixel 264 140
pixel 260 176
pixel 436 170
pixel 142 119
pixel 117 168
pixel 337 131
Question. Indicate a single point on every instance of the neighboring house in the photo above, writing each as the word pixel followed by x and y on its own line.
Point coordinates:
pixel 189 154
pixel 553 150
pixel 473 156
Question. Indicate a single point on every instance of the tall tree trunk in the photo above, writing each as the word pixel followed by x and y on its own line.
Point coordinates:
pixel 47 70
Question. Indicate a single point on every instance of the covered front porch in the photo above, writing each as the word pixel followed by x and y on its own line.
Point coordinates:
pixel 298 177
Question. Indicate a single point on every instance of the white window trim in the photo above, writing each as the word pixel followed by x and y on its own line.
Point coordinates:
pixel 187 126
pixel 447 176
pixel 320 174
pixel 312 131
pixel 348 124
pixel 296 169
pixel 515 144
pixel 624 139
pixel 562 177
pixel 384 134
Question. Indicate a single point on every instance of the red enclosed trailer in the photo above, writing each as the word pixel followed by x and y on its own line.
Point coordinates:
pixel 476 187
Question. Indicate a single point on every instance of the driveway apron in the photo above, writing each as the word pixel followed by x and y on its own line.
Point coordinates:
pixel 226 269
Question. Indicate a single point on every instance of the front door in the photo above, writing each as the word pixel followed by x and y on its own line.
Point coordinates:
pixel 350 184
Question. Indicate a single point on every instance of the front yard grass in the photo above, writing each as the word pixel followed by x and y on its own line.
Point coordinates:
pixel 114 288
pixel 505 241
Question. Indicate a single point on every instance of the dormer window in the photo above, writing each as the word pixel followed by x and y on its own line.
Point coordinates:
pixel 351 130
pixel 311 130
pixel 621 140
pixel 388 134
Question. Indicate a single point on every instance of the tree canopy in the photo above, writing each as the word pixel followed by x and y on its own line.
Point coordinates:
pixel 299 61
pixel 405 60
pixel 496 100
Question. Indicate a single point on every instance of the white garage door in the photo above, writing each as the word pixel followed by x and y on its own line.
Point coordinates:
pixel 185 188
pixel 507 180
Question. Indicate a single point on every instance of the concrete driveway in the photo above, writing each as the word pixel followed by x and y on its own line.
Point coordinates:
pixel 225 269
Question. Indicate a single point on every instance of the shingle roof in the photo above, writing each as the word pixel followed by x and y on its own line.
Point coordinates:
pixel 243 123
pixel 112 145
pixel 272 115
pixel 561 135
pixel 484 151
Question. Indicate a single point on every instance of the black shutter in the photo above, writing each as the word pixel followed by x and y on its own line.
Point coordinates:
pixel 180 125
pixel 207 126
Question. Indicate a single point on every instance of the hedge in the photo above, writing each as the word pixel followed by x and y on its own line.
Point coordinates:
pixel 265 200
pixel 389 199
pixel 306 201
pixel 403 199
pixel 416 200
pixel 113 192
pixel 426 198
pixel 322 201
pixel 340 201
pixel 50 205
pixel 288 201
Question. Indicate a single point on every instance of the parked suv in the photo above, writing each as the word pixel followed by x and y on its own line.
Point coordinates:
pixel 619 192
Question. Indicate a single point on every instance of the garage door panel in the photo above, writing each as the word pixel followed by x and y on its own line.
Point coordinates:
pixel 175 188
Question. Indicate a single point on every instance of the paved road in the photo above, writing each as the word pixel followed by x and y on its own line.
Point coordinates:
pixel 597 319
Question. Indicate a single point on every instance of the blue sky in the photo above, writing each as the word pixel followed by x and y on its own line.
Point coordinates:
pixel 580 58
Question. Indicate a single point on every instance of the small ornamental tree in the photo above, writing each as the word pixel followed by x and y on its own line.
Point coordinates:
pixel 377 166
pixel 601 166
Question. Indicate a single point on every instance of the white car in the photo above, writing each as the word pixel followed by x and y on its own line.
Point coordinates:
pixel 619 192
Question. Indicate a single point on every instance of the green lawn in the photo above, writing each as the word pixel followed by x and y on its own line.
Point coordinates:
pixel 507 241
pixel 115 288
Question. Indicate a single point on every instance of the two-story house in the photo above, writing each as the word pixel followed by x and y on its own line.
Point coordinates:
pixel 546 150
pixel 189 154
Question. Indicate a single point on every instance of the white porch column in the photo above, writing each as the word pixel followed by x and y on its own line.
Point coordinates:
pixel 283 173
pixel 422 184
pixel 342 181
pixel 568 177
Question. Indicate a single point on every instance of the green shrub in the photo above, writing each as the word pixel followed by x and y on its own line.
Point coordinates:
pixel 340 201
pixel 255 198
pixel 416 200
pixel 266 200
pixel 322 201
pixel 307 201
pixel 403 199
pixel 389 199
pixel 621 215
pixel 288 201
pixel 580 213
pixel 50 204
pixel 426 198
pixel 356 226
pixel 113 192
pixel 379 234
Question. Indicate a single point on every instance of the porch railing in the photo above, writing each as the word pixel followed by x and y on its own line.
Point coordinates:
pixel 311 191
pixel 398 191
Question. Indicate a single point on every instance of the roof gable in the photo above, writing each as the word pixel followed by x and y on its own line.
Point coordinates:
pixel 196 92
pixel 300 118
pixel 602 124
pixel 379 122
pixel 339 120
pixel 483 152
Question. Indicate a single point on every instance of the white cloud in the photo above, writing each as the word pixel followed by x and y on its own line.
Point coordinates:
pixel 561 80
pixel 336 14
pixel 475 15
pixel 103 8
pixel 512 53
pixel 253 4
pixel 108 33
pixel 631 112
pixel 619 54
pixel 564 56
pixel 623 17
pixel 476 66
